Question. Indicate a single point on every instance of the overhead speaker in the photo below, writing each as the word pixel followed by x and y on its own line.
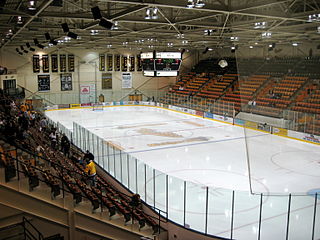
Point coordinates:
pixel 105 23
pixel 47 35
pixel 96 13
pixel 205 51
pixel 65 27
pixel 54 42
pixel 72 35
pixel 40 46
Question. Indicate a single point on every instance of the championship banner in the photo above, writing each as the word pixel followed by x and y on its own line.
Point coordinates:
pixel 43 83
pixel 109 62
pixel 106 79
pixel 66 81
pixel 139 65
pixel 102 62
pixel 36 63
pixel 126 78
pixel 63 63
pixel 45 63
pixel 117 63
pixel 124 63
pixel 132 64
pixel 54 63
pixel 70 63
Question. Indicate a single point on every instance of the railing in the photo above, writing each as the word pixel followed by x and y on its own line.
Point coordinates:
pixel 209 210
pixel 42 163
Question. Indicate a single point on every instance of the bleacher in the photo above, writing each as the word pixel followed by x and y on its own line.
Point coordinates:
pixel 34 157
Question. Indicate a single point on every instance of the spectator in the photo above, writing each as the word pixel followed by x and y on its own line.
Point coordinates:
pixel 65 145
pixel 92 172
pixel 53 139
pixel 88 156
pixel 135 201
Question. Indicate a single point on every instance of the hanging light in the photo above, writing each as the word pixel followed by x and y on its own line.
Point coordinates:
pixel 148 14
pixel 199 4
pixel 155 13
pixel 115 26
pixel 32 5
pixel 19 20
pixel 190 4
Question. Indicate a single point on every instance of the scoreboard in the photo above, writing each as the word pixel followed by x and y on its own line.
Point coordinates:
pixel 161 64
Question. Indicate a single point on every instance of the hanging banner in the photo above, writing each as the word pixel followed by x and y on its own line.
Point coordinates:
pixel 63 63
pixel 106 81
pixel 132 63
pixel 102 62
pixel 126 80
pixel 139 65
pixel 117 63
pixel 54 63
pixel 70 62
pixel 124 63
pixel 45 63
pixel 109 62
pixel 36 63
pixel 43 83
pixel 66 81
pixel 87 93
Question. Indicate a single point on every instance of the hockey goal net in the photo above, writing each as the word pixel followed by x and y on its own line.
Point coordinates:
pixel 97 107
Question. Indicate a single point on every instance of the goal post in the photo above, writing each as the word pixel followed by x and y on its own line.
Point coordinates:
pixel 97 107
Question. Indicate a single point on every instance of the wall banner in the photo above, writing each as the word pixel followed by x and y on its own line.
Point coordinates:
pixel 43 83
pixel 126 78
pixel 66 81
pixel 87 93
pixel 106 81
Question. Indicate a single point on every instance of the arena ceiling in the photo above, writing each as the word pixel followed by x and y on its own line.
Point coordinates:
pixel 219 23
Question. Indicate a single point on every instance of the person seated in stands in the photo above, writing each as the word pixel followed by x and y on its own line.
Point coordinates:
pixel 92 172
pixel 135 201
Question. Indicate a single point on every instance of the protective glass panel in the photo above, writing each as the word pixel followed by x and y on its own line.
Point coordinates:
pixel 176 200
pixel 195 207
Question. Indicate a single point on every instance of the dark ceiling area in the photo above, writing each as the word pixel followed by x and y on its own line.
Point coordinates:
pixel 158 24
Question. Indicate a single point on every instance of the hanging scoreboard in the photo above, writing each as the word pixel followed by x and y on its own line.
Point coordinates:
pixel 167 63
pixel 147 63
pixel 161 64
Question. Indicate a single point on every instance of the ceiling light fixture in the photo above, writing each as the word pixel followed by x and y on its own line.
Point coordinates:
pixel 266 35
pixel 94 32
pixel 115 26
pixel 199 4
pixel 190 4
pixel 234 39
pixel 151 13
pixel 32 5
pixel 260 25
pixel 19 20
pixel 314 18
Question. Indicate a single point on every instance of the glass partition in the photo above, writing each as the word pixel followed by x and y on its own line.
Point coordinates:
pixel 210 210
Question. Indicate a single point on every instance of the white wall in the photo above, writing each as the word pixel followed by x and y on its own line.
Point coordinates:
pixel 86 71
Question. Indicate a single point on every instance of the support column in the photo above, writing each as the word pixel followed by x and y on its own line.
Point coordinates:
pixel 71 225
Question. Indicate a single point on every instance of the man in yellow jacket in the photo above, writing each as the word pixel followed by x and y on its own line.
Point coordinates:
pixel 92 172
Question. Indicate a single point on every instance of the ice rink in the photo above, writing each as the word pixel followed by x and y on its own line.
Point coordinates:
pixel 220 156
